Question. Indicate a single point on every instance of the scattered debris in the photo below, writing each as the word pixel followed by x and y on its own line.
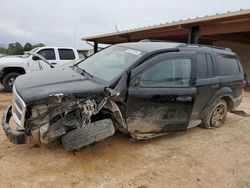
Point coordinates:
pixel 240 113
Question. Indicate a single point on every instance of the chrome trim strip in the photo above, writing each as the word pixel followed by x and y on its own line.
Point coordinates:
pixel 17 108
pixel 16 119
pixel 18 97
pixel 22 111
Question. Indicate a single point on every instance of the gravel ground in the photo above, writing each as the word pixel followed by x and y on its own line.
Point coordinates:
pixel 196 158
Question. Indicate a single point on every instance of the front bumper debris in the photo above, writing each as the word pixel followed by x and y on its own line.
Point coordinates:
pixel 15 136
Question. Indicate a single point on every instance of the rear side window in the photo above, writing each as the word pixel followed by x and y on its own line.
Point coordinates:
pixel 228 65
pixel 66 54
pixel 48 54
pixel 204 66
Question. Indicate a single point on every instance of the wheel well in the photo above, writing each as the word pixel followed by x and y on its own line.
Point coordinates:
pixel 229 101
pixel 13 69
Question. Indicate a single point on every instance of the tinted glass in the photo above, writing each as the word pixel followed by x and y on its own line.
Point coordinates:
pixel 204 66
pixel 201 66
pixel 228 65
pixel 210 70
pixel 66 54
pixel 168 73
pixel 48 54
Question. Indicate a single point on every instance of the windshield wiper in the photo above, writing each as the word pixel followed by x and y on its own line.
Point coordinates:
pixel 84 71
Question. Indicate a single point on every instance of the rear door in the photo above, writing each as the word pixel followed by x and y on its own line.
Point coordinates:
pixel 207 81
pixel 65 55
pixel 161 94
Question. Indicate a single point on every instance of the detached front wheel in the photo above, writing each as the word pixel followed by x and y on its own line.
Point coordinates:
pixel 8 81
pixel 216 115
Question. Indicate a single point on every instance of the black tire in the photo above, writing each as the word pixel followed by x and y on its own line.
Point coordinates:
pixel 87 135
pixel 8 81
pixel 216 116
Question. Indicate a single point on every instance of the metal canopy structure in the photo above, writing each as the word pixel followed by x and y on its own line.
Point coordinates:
pixel 230 26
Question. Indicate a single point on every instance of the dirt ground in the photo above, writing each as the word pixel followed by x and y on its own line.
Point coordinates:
pixel 196 158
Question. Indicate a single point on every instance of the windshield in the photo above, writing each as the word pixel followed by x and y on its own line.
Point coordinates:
pixel 110 62
pixel 27 55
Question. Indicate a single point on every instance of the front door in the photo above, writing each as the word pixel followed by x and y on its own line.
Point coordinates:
pixel 48 54
pixel 161 94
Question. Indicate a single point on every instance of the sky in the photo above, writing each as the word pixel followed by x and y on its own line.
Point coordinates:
pixel 64 22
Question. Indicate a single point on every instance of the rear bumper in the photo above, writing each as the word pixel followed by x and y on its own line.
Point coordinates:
pixel 15 136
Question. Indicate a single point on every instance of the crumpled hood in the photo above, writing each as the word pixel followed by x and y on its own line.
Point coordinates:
pixel 40 85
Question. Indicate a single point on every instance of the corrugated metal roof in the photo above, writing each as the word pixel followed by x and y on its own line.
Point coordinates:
pixel 174 23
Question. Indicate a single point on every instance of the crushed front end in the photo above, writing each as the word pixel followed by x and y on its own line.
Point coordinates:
pixel 75 121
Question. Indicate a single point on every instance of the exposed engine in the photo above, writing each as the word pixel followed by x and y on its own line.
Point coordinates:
pixel 74 120
pixel 50 121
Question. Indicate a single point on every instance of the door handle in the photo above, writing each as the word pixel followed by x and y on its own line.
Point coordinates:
pixel 162 99
pixel 184 99
pixel 53 63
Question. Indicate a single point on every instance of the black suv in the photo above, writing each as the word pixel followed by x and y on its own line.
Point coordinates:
pixel 144 89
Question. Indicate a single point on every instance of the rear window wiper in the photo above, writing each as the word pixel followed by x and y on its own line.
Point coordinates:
pixel 84 71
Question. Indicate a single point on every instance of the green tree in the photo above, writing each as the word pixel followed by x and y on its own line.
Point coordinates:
pixel 3 51
pixel 17 48
pixel 27 47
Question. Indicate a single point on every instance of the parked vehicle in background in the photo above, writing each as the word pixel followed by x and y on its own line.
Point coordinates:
pixel 13 66
pixel 144 89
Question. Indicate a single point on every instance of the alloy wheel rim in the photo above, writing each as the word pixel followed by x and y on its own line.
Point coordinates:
pixel 218 116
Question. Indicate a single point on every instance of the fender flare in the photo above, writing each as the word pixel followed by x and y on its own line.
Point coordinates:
pixel 17 69
pixel 225 93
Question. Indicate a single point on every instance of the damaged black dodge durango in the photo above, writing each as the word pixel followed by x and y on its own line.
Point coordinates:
pixel 143 89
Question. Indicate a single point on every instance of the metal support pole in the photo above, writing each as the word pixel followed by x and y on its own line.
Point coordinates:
pixel 193 37
pixel 95 47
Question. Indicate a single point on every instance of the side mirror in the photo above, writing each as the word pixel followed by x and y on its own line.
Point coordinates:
pixel 135 82
pixel 112 91
pixel 35 58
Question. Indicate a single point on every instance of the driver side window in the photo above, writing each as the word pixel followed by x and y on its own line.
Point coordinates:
pixel 168 73
pixel 48 54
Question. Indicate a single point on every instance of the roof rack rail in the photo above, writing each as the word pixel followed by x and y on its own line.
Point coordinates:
pixel 209 46
pixel 156 40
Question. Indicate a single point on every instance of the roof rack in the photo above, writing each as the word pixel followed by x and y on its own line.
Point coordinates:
pixel 157 40
pixel 209 46
pixel 188 45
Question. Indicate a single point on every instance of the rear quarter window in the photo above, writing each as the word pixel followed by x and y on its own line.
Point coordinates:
pixel 204 66
pixel 228 65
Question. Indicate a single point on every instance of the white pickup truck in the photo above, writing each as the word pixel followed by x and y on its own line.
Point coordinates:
pixel 13 66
